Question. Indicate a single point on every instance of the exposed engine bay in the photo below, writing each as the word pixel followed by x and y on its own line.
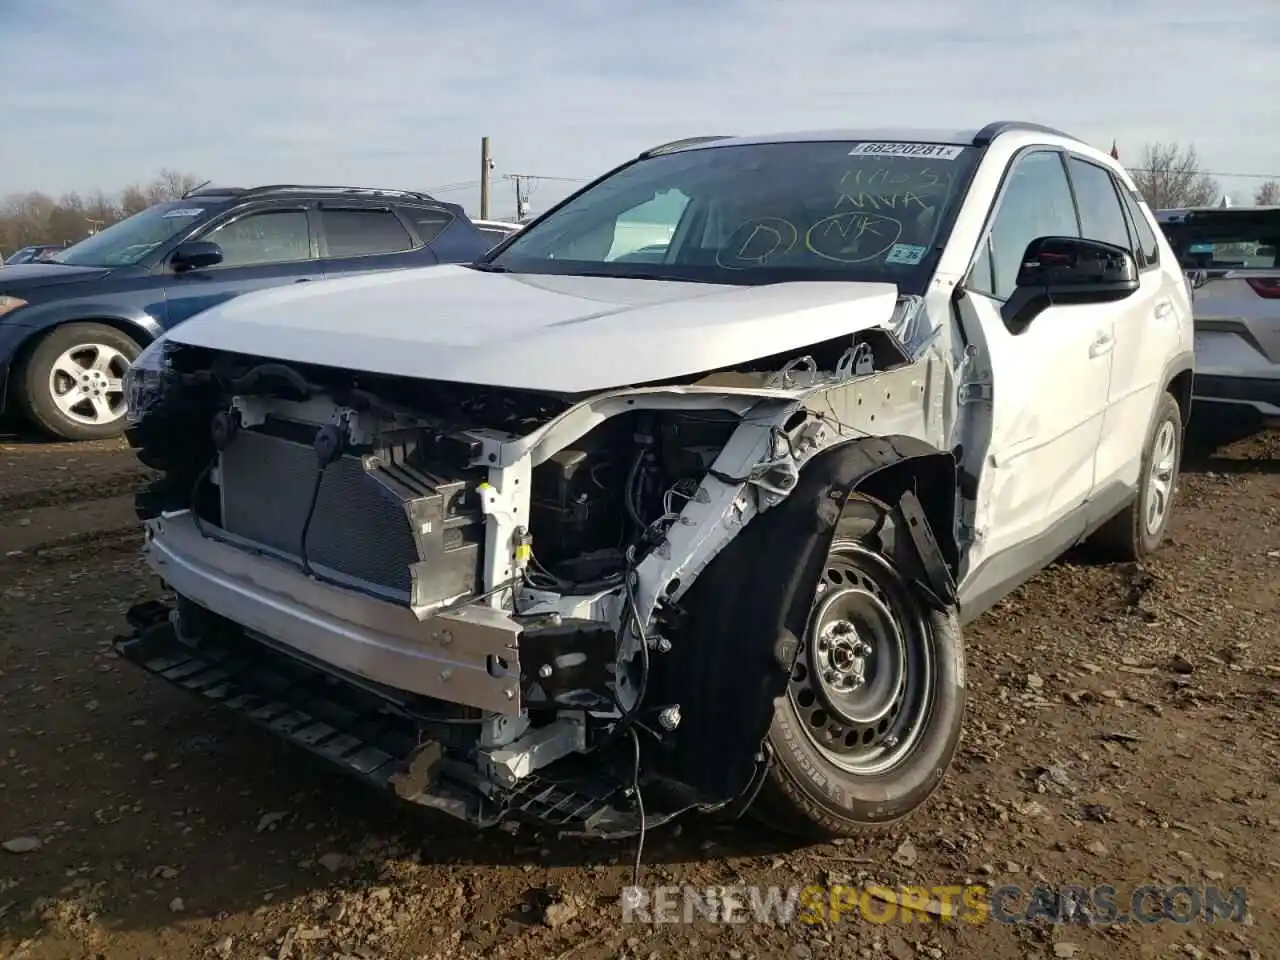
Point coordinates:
pixel 454 589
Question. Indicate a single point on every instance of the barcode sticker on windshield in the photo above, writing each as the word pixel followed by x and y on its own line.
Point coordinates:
pixel 183 212
pixel 922 151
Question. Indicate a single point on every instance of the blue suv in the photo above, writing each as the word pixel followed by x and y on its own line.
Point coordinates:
pixel 70 326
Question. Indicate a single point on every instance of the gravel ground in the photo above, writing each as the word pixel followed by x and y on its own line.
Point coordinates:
pixel 1124 728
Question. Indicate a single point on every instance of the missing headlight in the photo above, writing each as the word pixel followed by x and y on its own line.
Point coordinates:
pixel 147 378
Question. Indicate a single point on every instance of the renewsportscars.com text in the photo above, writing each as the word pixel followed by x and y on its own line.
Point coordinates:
pixel 1101 904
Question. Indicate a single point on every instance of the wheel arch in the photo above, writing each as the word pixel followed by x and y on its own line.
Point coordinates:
pixel 735 633
pixel 1179 380
pixel 143 333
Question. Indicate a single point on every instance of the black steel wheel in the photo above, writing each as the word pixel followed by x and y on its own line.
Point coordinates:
pixel 874 706
pixel 864 680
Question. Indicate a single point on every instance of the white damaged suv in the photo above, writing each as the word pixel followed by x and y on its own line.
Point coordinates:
pixel 679 499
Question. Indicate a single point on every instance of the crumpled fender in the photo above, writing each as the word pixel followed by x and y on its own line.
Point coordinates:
pixel 735 632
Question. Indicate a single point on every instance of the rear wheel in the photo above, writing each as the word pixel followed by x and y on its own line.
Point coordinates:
pixel 873 711
pixel 1138 529
pixel 72 384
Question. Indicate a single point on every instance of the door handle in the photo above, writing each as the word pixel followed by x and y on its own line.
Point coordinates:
pixel 1102 344
pixel 1163 309
pixel 303 280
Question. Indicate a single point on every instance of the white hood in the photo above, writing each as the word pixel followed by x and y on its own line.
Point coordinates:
pixel 564 334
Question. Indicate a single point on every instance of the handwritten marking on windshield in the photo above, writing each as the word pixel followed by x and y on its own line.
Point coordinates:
pixel 885 189
pixel 757 241
pixel 852 237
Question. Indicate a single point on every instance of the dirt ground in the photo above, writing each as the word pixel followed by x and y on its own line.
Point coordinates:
pixel 1124 728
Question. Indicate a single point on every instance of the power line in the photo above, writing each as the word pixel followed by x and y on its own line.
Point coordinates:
pixel 459 185
pixel 1213 173
pixel 535 176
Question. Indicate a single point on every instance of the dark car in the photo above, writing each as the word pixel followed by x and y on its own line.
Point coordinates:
pixel 70 327
pixel 31 254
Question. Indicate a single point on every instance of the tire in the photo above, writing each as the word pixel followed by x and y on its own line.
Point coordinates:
pixel 913 687
pixel 1129 536
pixel 71 384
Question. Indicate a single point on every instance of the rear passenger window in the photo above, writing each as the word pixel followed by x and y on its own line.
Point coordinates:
pixel 1101 216
pixel 1150 247
pixel 429 223
pixel 362 233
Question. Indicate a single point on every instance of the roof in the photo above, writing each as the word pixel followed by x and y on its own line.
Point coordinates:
pixel 309 190
pixel 966 137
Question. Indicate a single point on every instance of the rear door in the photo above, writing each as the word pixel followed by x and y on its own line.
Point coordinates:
pixel 360 238
pixel 263 245
pixel 1144 331
pixel 1231 259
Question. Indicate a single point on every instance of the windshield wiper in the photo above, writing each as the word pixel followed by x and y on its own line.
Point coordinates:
pixel 488 267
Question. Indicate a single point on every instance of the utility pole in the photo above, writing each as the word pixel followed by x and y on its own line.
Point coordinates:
pixel 486 164
pixel 522 195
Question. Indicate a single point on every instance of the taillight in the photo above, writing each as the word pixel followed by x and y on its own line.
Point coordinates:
pixel 1267 287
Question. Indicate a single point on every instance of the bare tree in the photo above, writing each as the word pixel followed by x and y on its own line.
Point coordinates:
pixel 133 199
pixel 170 185
pixel 1268 195
pixel 1170 175
pixel 36 217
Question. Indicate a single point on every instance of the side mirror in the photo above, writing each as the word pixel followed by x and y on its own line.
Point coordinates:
pixel 1068 271
pixel 195 255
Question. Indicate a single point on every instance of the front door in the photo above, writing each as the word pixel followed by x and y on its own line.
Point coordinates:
pixel 1047 396
pixel 261 248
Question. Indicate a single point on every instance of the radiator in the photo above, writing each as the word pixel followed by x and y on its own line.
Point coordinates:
pixel 383 518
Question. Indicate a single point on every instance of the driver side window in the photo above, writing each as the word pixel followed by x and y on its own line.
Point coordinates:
pixel 643 233
pixel 278 236
pixel 1037 202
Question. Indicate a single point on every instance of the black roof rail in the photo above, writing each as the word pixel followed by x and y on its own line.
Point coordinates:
pixel 988 133
pixel 685 142
pixel 336 191
pixel 205 190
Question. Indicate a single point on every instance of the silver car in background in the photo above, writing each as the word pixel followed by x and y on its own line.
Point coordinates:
pixel 1229 255
pixel 497 230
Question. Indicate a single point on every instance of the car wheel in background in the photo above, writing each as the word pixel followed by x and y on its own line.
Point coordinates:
pixel 72 384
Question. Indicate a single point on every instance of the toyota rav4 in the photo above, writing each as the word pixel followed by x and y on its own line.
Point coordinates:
pixel 679 498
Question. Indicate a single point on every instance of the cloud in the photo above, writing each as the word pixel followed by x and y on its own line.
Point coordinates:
pixel 398 93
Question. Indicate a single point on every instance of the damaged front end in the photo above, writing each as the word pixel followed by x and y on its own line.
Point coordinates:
pixel 471 596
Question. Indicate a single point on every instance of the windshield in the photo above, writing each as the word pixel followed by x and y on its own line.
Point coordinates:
pixel 25 255
pixel 758 213
pixel 127 242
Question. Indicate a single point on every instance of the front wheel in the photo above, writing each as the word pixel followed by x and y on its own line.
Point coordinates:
pixel 872 716
pixel 72 384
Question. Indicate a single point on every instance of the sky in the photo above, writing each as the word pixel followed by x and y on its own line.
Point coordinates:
pixel 97 94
